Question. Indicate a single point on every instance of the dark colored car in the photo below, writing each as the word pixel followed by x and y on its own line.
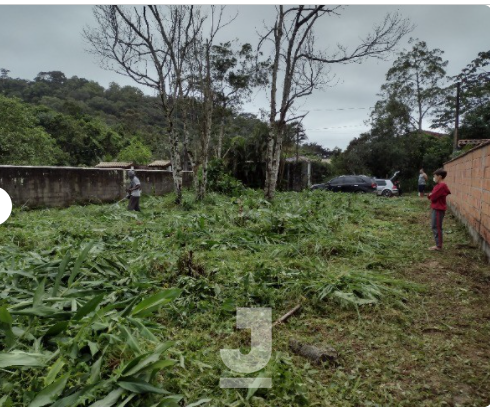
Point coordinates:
pixel 348 184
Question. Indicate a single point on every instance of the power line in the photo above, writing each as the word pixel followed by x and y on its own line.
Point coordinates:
pixel 320 110
pixel 336 109
pixel 337 127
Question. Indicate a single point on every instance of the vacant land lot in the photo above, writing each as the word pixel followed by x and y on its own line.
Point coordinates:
pixel 99 305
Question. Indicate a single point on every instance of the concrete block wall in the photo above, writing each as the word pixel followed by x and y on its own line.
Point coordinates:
pixel 63 186
pixel 468 179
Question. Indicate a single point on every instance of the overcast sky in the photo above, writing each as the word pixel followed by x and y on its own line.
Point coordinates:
pixel 48 38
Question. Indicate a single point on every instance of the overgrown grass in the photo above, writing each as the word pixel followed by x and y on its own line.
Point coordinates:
pixel 92 296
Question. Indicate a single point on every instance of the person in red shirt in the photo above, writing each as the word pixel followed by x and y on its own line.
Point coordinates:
pixel 438 204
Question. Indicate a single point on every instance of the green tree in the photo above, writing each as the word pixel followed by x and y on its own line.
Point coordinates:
pixel 315 149
pixel 234 72
pixel 416 80
pixel 135 152
pixel 474 82
pixel 85 141
pixel 23 141
pixel 4 73
pixel 245 152
pixel 57 78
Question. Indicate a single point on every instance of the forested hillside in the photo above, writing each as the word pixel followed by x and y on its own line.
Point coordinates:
pixel 82 122
pixel 79 122
pixel 55 120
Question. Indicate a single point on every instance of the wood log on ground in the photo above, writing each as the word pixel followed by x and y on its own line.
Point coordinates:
pixel 315 354
pixel 287 315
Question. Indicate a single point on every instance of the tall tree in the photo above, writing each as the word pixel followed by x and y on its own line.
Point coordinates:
pixel 416 79
pixel 474 102
pixel 201 74
pixel 235 72
pixel 298 66
pixel 390 117
pixel 4 73
pixel 151 45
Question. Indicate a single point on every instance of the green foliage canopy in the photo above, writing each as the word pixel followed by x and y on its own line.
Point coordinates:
pixel 135 152
pixel 416 79
pixel 23 141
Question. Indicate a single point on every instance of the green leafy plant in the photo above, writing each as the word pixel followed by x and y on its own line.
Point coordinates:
pixel 220 181
pixel 80 317
pixel 99 308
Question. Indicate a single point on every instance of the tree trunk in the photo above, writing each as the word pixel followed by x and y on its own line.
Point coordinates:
pixel 206 137
pixel 270 185
pixel 419 103
pixel 187 153
pixel 203 176
pixel 174 156
pixel 176 168
pixel 282 165
pixel 220 136
pixel 274 150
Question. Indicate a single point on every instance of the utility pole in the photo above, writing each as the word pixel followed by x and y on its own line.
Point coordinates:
pixel 456 124
pixel 297 143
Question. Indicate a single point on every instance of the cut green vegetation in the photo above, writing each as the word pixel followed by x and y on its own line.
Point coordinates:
pixel 104 307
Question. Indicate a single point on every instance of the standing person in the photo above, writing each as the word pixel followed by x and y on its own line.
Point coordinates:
pixel 135 192
pixel 399 187
pixel 422 182
pixel 438 204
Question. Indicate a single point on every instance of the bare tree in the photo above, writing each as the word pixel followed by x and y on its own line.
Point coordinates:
pixel 151 45
pixel 298 67
pixel 202 82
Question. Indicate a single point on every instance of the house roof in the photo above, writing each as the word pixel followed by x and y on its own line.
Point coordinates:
pixel 436 134
pixel 485 143
pixel 112 165
pixel 160 163
pixel 464 142
pixel 300 158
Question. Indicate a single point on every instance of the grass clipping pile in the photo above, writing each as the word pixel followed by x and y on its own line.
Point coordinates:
pixel 103 307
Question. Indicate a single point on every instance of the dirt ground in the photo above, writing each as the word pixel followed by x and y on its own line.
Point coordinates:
pixel 433 352
pixel 452 321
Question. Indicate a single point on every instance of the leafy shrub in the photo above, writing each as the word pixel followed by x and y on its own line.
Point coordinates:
pixel 222 182
pixel 93 315
pixel 135 152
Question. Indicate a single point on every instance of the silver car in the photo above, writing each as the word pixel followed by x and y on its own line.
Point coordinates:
pixel 386 188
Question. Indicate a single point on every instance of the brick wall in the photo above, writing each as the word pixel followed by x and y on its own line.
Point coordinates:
pixel 468 179
pixel 63 186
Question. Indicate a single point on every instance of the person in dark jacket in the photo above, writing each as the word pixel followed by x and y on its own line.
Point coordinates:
pixel 438 205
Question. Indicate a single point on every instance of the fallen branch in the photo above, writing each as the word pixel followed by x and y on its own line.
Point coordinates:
pixel 287 315
pixel 315 354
